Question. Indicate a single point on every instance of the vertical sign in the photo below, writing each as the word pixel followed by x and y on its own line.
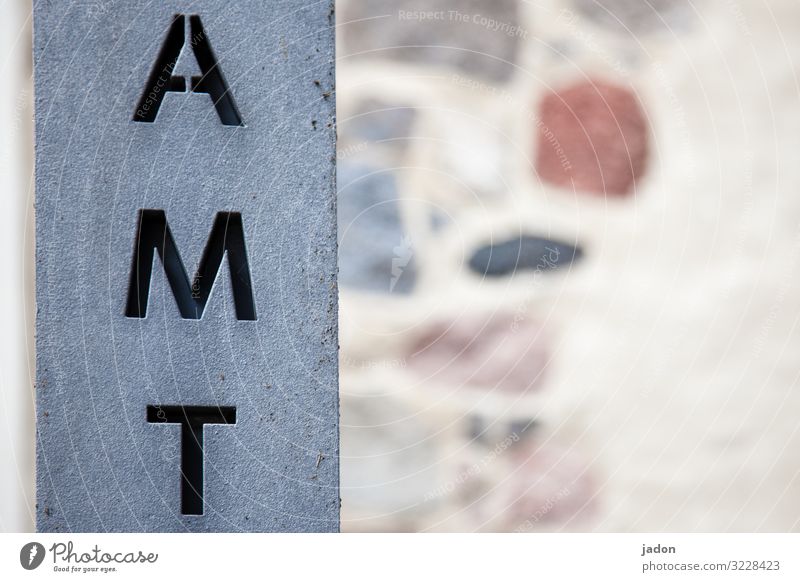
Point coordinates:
pixel 186 266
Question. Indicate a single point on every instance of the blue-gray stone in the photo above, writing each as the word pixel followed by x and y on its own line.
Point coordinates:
pixel 375 252
pixel 104 460
pixel 375 121
pixel 523 253
pixel 438 220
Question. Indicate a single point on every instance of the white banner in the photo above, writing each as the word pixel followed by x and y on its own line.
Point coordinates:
pixel 379 557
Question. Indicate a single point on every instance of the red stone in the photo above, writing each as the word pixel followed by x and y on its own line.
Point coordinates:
pixel 592 137
pixel 489 351
pixel 549 487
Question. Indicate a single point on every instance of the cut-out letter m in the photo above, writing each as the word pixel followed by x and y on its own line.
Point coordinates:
pixel 227 236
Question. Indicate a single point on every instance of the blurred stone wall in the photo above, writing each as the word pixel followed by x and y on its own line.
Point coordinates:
pixel 568 253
